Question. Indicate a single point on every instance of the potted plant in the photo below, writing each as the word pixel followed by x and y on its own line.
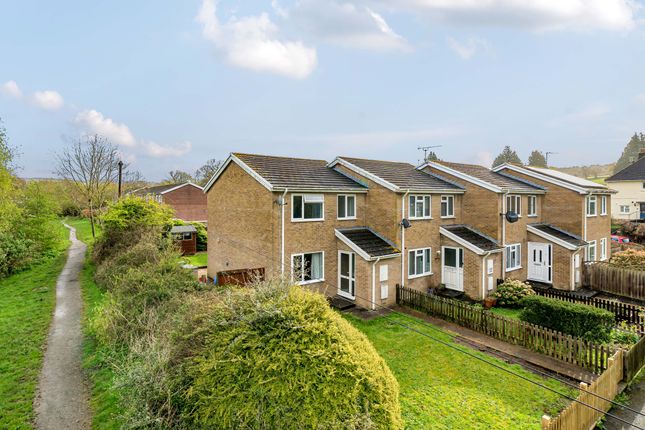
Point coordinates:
pixel 490 301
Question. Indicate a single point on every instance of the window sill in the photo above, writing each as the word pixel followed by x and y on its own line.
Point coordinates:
pixel 423 275
pixel 346 219
pixel 313 281
pixel 591 216
pixel 448 217
pixel 532 216
pixel 512 269
pixel 307 220
pixel 419 219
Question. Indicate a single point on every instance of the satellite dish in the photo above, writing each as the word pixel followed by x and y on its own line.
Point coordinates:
pixel 406 223
pixel 511 217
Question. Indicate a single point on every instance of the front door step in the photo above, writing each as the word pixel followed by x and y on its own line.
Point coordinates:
pixel 341 303
pixel 451 294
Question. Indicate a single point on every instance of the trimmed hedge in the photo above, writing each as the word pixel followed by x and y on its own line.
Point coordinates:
pixel 579 320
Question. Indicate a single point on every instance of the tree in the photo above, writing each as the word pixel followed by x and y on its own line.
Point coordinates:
pixel 432 156
pixel 132 180
pixel 206 172
pixel 630 153
pixel 507 156
pixel 537 159
pixel 91 165
pixel 178 177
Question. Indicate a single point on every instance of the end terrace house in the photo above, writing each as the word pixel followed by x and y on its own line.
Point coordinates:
pixel 300 218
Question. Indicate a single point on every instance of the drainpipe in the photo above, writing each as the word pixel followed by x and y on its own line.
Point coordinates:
pixel 403 238
pixel 504 234
pixel 374 283
pixel 284 203
pixel 484 274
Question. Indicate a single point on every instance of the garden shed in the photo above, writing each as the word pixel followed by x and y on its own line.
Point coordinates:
pixel 186 237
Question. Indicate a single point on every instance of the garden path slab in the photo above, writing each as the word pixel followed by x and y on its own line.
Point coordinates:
pixel 61 401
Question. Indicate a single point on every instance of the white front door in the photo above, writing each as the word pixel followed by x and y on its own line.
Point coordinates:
pixel 452 268
pixel 346 274
pixel 539 262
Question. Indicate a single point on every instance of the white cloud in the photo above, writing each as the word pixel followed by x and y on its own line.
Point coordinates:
pixel 11 89
pixel 346 24
pixel 466 50
pixel 533 14
pixel 48 100
pixel 253 43
pixel 94 122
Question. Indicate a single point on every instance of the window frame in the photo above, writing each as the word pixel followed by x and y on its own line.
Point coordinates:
pixel 302 275
pixel 603 249
pixel 345 197
pixel 444 199
pixel 595 205
pixel 426 255
pixel 518 253
pixel 518 203
pixel 603 205
pixel 529 212
pixel 302 218
pixel 622 212
pixel 595 251
pixel 423 198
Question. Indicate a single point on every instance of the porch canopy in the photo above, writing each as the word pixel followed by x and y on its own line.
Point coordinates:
pixel 367 243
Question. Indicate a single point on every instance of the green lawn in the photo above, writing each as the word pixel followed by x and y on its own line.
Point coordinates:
pixel 445 389
pixel 507 312
pixel 200 259
pixel 27 302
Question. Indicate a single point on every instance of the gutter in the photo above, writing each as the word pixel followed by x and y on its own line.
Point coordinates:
pixel 374 283
pixel 403 238
pixel 284 203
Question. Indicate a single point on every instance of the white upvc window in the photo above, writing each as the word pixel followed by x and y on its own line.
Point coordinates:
pixel 591 251
pixel 447 206
pixel 307 207
pixel 603 205
pixel 346 206
pixel 531 210
pixel 513 257
pixel 514 204
pixel 420 207
pixel 603 249
pixel 419 262
pixel 624 209
pixel 591 206
pixel 308 267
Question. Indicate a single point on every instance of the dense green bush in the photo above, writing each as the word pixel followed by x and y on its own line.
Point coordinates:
pixel 278 357
pixel 511 292
pixel 578 320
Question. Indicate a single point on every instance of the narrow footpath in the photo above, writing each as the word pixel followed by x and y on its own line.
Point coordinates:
pixel 637 402
pixel 61 401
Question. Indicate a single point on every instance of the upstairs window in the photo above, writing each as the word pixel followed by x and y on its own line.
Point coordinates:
pixel 447 206
pixel 591 206
pixel 514 204
pixel 419 207
pixel 532 206
pixel 346 207
pixel 603 205
pixel 307 207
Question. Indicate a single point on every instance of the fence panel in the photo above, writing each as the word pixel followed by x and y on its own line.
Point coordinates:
pixel 634 359
pixel 578 416
pixel 549 342
pixel 614 280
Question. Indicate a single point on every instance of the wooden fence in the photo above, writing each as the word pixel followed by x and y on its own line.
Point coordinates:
pixel 563 347
pixel 577 416
pixel 634 359
pixel 622 311
pixel 240 277
pixel 614 280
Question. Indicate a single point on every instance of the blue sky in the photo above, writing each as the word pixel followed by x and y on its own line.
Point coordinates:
pixel 176 83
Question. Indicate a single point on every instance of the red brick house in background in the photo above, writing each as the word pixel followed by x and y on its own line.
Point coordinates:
pixel 187 199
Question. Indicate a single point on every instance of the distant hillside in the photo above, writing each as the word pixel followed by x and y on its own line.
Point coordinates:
pixel 589 172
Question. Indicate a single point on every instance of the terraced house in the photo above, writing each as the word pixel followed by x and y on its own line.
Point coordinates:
pixel 355 228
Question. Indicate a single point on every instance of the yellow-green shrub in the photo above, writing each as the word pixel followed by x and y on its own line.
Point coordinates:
pixel 629 259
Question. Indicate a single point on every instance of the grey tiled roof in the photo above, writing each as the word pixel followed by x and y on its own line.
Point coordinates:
pixel 475 237
pixel 633 172
pixel 183 229
pixel 158 189
pixel 298 173
pixel 403 175
pixel 558 233
pixel 504 181
pixel 370 242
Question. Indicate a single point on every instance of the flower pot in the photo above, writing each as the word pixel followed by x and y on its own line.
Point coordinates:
pixel 489 302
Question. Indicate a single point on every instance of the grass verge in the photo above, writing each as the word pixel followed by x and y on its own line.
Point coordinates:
pixel 445 389
pixel 513 313
pixel 200 259
pixel 27 301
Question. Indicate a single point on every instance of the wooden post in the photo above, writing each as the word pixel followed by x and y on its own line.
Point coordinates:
pixel 546 422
